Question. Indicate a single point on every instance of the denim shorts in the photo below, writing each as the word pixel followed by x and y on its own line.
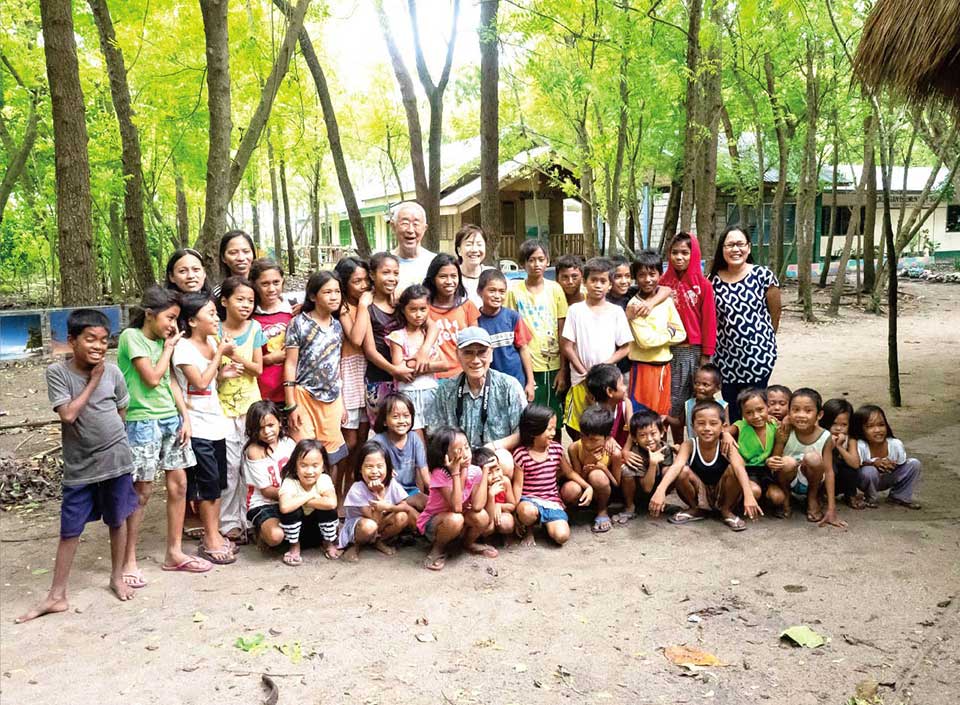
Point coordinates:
pixel 155 447
pixel 548 511
pixel 112 500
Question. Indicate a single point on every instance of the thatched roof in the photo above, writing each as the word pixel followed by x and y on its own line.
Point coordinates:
pixel 913 48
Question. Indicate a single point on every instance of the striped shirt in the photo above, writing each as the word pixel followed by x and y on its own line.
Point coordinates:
pixel 540 476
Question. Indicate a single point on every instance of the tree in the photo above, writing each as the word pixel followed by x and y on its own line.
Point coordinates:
pixel 129 142
pixel 490 128
pixel 18 154
pixel 430 199
pixel 78 277
pixel 333 138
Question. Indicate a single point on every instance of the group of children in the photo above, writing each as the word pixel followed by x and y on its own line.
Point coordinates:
pixel 258 410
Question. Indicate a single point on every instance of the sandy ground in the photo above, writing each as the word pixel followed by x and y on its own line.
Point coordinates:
pixel 585 623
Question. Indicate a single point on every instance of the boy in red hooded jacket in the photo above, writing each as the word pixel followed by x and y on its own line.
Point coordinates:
pixel 693 296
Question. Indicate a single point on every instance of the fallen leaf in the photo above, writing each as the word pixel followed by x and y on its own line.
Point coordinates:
pixel 152 647
pixel 802 635
pixel 690 656
pixel 199 617
pixel 867 690
pixel 426 638
pixel 519 668
pixel 794 588
pixel 40 571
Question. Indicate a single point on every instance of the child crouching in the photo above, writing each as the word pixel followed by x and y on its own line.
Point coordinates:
pixel 705 478
pixel 884 461
pixel 308 502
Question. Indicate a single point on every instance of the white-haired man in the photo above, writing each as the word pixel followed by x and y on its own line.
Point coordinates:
pixel 409 223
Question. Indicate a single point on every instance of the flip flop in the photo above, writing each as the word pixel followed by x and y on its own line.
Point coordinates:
pixel 624 517
pixel 685 518
pixel 291 560
pixel 814 517
pixel 735 523
pixel 601 525
pixel 221 556
pixel 134 580
pixel 484 550
pixel 435 563
pixel 194 533
pixel 193 564
pixel 904 503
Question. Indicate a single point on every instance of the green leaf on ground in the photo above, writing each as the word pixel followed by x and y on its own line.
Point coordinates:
pixel 802 635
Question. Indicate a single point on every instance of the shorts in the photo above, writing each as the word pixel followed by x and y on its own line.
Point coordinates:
pixel 799 485
pixel 208 478
pixel 650 387
pixel 761 475
pixel 422 399
pixel 577 400
pixel 549 511
pixel 430 529
pixel 112 500
pixel 545 394
pixel 354 418
pixel 319 526
pixel 683 368
pixel 375 392
pixel 640 471
pixel 352 369
pixel 321 420
pixel 259 515
pixel 155 447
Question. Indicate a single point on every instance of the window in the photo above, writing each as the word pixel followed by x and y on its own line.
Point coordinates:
pixel 346 234
pixel 953 218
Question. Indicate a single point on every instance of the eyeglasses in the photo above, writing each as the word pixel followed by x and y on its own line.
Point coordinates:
pixel 736 245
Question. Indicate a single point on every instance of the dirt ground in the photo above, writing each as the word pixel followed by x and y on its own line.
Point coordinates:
pixel 585 623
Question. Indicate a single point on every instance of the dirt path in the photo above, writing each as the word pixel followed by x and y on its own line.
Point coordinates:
pixel 581 624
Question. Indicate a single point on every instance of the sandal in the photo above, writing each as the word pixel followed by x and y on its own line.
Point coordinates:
pixel 237 537
pixel 134 580
pixel 194 533
pixel 482 549
pixel 735 523
pixel 292 560
pixel 685 517
pixel 435 563
pixel 601 525
pixel 909 504
pixel 624 517
pixel 814 517
pixel 217 556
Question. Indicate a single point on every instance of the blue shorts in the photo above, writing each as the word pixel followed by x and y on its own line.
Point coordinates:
pixel 112 500
pixel 547 513
pixel 155 447
pixel 412 491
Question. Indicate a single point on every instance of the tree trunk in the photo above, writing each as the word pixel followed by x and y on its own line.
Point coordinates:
pixel 825 263
pixel 409 98
pixel 360 236
pixel 671 215
pixel 868 251
pixel 129 145
pixel 807 197
pixel 586 190
pixel 18 154
pixel 853 229
pixel 783 155
pixel 613 189
pixel 183 216
pixel 217 42
pixel 893 362
pixel 490 129
pixel 733 149
pixel 117 245
pixel 275 200
pixel 254 209
pixel 315 217
pixel 706 179
pixel 692 119
pixel 78 276
pixel 291 247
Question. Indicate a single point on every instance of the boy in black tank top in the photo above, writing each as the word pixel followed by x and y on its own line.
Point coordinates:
pixel 705 478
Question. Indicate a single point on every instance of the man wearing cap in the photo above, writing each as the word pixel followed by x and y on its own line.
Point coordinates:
pixel 409 223
pixel 485 403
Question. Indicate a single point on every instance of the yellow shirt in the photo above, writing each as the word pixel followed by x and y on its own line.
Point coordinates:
pixel 654 334
pixel 542 313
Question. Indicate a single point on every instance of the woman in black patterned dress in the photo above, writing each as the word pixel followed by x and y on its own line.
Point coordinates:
pixel 748 315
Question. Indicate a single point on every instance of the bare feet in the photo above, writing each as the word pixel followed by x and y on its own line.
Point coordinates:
pixel 352 554
pixel 483 549
pixel 384 548
pixel 528 541
pixel 50 605
pixel 814 512
pixel 121 589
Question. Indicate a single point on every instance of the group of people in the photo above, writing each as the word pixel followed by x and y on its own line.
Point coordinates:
pixel 259 410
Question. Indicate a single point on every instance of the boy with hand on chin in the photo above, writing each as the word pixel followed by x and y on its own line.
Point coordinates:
pixel 91 398
pixel 595 331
